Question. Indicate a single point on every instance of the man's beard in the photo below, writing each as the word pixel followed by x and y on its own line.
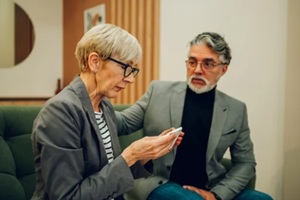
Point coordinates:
pixel 208 86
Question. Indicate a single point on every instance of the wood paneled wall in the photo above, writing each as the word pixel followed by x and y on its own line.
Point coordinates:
pixel 139 17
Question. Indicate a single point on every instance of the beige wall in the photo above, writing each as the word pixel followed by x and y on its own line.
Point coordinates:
pixel 7 36
pixel 291 175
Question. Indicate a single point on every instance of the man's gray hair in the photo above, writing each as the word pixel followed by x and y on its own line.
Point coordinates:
pixel 216 43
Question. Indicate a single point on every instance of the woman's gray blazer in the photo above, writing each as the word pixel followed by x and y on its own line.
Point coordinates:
pixel 70 159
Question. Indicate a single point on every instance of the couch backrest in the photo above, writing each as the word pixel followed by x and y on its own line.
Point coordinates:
pixel 17 176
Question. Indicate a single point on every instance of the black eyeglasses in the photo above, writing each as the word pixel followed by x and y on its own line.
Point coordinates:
pixel 127 68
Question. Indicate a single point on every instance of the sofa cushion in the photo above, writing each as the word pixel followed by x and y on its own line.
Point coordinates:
pixel 17 166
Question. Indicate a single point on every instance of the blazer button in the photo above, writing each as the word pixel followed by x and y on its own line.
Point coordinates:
pixel 168 168
pixel 160 182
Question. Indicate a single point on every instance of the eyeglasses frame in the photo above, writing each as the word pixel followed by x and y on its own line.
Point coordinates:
pixel 134 70
pixel 207 69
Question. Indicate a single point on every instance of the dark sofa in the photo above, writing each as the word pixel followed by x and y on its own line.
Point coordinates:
pixel 17 177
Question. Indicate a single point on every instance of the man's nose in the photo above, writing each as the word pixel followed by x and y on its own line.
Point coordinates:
pixel 199 69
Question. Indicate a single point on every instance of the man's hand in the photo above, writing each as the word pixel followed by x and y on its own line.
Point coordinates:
pixel 207 195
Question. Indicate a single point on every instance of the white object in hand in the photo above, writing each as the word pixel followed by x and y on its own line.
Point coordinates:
pixel 176 132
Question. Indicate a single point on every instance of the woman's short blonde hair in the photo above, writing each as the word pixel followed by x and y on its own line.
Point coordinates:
pixel 108 40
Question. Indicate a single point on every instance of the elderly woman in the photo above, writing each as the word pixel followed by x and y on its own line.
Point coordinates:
pixel 75 140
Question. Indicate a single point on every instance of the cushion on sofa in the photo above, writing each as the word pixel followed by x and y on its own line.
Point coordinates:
pixel 17 176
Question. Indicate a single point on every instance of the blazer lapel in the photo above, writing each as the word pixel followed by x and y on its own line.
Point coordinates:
pixel 81 92
pixel 218 122
pixel 176 104
pixel 176 107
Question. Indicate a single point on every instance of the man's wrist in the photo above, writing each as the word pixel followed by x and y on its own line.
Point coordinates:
pixel 216 196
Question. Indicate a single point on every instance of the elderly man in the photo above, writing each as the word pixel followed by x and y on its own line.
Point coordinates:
pixel 212 122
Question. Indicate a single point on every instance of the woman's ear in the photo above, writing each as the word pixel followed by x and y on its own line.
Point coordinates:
pixel 93 62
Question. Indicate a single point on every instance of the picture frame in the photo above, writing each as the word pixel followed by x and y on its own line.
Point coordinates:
pixel 94 16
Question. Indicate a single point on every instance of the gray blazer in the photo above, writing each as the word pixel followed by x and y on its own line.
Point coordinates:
pixel 70 158
pixel 161 107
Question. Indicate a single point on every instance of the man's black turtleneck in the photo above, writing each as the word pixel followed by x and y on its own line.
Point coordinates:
pixel 189 167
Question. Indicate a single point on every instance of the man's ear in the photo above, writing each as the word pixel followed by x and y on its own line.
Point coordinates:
pixel 224 69
pixel 93 62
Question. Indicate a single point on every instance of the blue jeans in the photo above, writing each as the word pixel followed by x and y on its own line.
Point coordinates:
pixel 171 191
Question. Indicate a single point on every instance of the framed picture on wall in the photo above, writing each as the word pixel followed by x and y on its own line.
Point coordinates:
pixel 94 16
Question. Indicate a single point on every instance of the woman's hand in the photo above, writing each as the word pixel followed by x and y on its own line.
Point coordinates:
pixel 178 140
pixel 149 148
